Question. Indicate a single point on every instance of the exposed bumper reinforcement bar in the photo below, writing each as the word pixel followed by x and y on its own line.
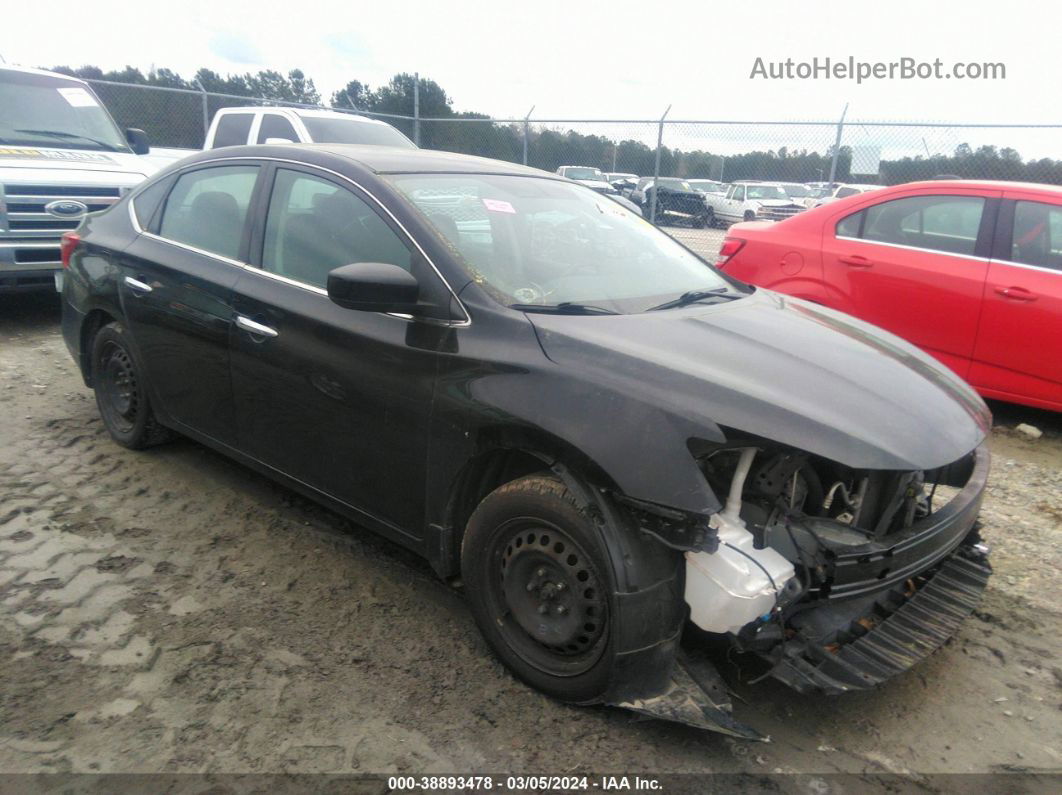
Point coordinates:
pixel 910 634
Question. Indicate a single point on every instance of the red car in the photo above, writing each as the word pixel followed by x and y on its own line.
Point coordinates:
pixel 969 271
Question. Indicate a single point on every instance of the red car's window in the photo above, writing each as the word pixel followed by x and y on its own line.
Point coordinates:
pixel 1037 237
pixel 937 223
pixel 851 226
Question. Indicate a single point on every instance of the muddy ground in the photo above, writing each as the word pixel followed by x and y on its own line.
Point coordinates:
pixel 172 611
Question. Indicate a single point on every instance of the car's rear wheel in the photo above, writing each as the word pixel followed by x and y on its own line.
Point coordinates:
pixel 541 589
pixel 121 394
pixel 709 218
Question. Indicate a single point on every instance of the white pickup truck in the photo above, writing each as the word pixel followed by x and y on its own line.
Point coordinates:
pixel 61 156
pixel 251 125
pixel 750 201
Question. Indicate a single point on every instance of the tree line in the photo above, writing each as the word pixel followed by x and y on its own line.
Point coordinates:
pixel 177 119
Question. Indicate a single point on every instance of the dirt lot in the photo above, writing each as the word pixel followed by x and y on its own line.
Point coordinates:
pixel 172 611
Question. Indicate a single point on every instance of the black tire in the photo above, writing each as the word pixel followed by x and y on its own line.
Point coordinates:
pixel 541 588
pixel 121 393
pixel 709 218
pixel 749 215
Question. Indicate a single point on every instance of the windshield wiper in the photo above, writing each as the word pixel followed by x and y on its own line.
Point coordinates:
pixel 695 296
pixel 564 308
pixel 61 134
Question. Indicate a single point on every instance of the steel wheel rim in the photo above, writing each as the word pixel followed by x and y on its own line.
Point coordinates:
pixel 548 599
pixel 119 388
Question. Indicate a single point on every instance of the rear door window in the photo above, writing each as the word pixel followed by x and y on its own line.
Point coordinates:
pixel 276 126
pixel 233 129
pixel 207 209
pixel 940 223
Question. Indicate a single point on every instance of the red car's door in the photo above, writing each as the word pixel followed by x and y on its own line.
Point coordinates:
pixel 1018 355
pixel 914 262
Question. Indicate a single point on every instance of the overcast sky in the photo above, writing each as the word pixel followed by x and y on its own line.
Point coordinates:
pixel 578 59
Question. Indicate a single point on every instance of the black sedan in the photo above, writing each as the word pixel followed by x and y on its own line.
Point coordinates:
pixel 518 378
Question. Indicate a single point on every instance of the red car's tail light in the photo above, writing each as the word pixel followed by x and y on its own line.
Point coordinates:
pixel 730 247
pixel 67 244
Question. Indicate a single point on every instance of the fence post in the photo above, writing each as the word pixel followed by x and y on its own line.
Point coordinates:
pixel 837 144
pixel 656 167
pixel 206 110
pixel 416 108
pixel 527 131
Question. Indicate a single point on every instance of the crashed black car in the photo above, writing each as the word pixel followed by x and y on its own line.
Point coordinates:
pixel 509 373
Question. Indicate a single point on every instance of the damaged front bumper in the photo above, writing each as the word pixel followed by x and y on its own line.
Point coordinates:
pixel 899 631
pixel 880 607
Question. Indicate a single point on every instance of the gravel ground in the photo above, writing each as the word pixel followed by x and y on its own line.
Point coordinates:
pixel 171 611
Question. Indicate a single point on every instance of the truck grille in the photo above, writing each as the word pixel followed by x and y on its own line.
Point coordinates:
pixel 29 234
pixel 779 213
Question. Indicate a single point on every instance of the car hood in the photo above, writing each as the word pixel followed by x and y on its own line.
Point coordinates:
pixel 56 165
pixel 782 369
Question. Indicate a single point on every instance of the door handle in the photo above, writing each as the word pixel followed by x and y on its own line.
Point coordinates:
pixel 137 286
pixel 856 261
pixel 257 329
pixel 1016 293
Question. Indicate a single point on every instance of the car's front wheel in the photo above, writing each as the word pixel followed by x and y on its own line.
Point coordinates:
pixel 541 588
pixel 121 393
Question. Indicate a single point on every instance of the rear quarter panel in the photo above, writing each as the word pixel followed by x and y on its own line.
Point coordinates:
pixel 785 256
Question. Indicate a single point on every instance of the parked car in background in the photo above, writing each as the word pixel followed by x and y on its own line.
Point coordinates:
pixel 676 201
pixel 624 183
pixel 601 434
pixel 61 157
pixel 797 191
pixel 747 201
pixel 588 176
pixel 257 125
pixel 841 192
pixel 708 185
pixel 816 191
pixel 969 271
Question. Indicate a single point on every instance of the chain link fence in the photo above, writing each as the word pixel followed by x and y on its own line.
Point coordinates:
pixel 798 151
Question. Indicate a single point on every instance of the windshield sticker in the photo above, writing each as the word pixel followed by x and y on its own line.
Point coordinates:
pixel 78 97
pixel 499 206
pixel 24 153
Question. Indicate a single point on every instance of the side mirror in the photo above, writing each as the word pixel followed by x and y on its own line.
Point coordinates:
pixel 138 141
pixel 374 287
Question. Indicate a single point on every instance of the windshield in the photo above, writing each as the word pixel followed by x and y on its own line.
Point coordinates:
pixel 676 184
pixel 42 110
pixel 765 192
pixel 546 243
pixel 796 191
pixel 707 185
pixel 354 131
pixel 584 173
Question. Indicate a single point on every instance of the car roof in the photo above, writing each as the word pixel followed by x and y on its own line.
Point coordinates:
pixel 318 113
pixel 988 184
pixel 313 113
pixel 31 71
pixel 380 159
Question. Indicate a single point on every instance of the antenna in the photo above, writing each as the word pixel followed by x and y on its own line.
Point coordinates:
pixel 2 58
